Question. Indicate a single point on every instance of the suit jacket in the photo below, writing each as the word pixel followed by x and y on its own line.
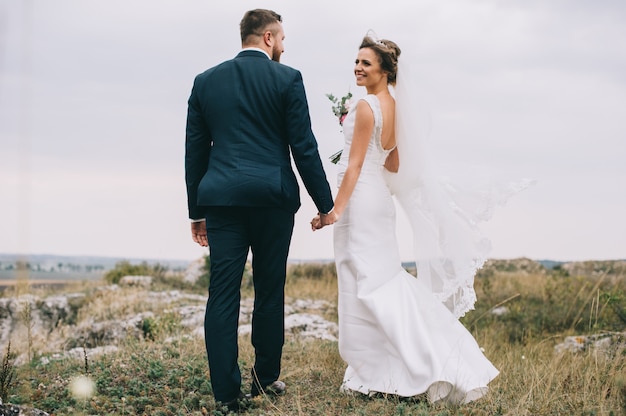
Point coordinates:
pixel 244 117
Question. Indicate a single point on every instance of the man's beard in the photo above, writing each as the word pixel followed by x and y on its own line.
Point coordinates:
pixel 276 55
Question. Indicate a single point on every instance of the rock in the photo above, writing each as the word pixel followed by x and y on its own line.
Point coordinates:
pixel 520 265
pixel 43 315
pixel 499 311
pixel 303 325
pixel 603 343
pixel 307 325
pixel 137 281
pixel 90 334
pixel 14 410
pixel 198 332
pixel 245 310
pixel 596 268
pixel 79 354
pixel 244 329
pixel 299 305
pixel 173 295
pixel 52 319
pixel 56 309
pixel 194 270
pixel 191 316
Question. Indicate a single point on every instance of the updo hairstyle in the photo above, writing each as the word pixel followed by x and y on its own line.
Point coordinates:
pixel 387 52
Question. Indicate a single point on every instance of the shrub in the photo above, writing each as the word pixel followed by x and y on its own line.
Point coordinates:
pixel 315 271
pixel 126 268
pixel 7 375
pixel 205 277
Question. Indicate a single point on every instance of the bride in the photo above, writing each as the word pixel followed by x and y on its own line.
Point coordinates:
pixel 397 333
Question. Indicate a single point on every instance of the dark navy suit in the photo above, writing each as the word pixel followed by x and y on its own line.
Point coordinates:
pixel 246 117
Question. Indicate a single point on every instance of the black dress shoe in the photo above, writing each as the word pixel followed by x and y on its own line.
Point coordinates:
pixel 235 405
pixel 277 388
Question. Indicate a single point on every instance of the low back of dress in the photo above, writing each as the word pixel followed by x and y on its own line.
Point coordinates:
pixel 376 155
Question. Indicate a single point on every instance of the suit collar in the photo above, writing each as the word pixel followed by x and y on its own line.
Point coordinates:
pixel 256 52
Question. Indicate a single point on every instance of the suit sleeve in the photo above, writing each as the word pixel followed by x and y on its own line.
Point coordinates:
pixel 304 146
pixel 197 152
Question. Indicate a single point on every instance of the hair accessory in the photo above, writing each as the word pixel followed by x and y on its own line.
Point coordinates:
pixel 372 35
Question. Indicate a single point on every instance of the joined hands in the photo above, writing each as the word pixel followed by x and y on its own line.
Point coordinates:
pixel 322 220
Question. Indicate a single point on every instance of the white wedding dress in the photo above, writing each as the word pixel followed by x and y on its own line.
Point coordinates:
pixel 395 335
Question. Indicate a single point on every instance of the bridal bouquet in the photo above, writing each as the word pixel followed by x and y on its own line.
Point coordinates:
pixel 340 108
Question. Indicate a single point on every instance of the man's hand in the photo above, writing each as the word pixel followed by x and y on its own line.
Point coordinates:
pixel 198 233
pixel 316 223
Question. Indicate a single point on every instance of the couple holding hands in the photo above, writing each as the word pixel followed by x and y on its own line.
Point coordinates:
pixel 398 334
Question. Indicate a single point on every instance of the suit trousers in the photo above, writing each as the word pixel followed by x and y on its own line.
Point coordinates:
pixel 232 232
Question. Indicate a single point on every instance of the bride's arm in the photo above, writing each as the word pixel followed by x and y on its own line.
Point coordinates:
pixel 363 127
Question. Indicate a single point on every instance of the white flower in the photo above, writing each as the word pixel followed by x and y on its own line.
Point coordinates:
pixel 82 387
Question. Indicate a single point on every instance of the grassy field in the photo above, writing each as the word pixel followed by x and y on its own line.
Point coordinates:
pixel 161 376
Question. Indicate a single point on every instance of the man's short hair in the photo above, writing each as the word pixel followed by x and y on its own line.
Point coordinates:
pixel 255 23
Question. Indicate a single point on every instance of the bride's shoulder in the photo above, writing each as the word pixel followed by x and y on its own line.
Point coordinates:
pixel 364 110
pixel 365 103
pixel 372 101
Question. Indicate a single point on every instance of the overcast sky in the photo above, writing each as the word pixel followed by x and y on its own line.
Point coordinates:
pixel 93 99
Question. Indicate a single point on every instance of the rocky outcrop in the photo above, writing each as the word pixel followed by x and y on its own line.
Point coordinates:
pixel 42 315
pixel 303 318
pixel 55 319
pixel 137 281
pixel 91 334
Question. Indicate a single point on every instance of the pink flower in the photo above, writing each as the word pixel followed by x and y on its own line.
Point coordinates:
pixel 340 108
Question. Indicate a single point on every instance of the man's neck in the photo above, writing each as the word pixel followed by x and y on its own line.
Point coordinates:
pixel 256 48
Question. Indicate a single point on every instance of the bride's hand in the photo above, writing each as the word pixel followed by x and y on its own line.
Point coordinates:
pixel 328 219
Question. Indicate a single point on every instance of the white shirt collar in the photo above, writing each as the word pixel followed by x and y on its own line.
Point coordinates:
pixel 259 50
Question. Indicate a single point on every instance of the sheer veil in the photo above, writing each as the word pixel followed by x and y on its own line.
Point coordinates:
pixel 444 213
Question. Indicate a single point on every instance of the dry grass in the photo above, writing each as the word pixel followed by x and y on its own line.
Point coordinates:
pixel 155 377
pixel 533 381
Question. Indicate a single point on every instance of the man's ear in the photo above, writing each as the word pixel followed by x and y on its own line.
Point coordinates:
pixel 267 38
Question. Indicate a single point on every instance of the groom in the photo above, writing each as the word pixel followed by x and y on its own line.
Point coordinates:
pixel 245 117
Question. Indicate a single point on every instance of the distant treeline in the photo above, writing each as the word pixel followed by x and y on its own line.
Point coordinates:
pixel 54 264
pixel 52 268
